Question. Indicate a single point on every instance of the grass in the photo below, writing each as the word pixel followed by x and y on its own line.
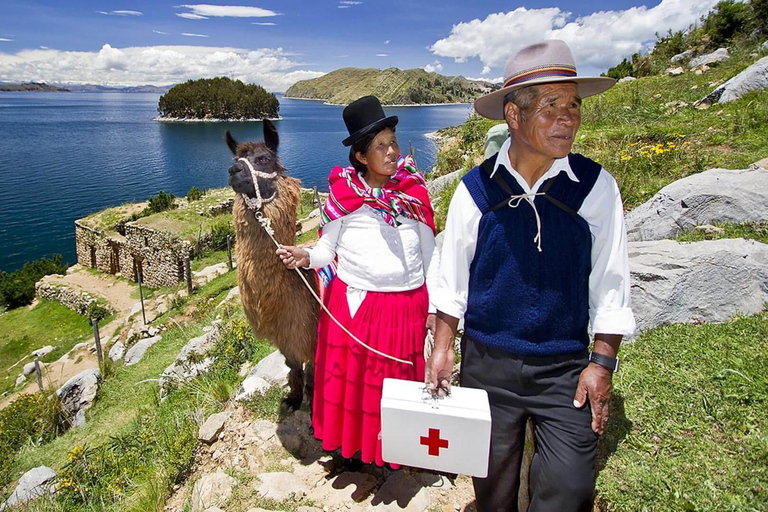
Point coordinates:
pixel 750 231
pixel 23 330
pixel 689 422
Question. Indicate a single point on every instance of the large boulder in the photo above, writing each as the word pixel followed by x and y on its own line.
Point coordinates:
pixel 687 54
pixel 78 393
pixel 437 185
pixel 716 195
pixel 272 369
pixel 33 484
pixel 136 352
pixel 754 78
pixel 718 55
pixel 188 364
pixel 697 282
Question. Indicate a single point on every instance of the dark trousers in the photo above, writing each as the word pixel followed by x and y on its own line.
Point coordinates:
pixel 563 469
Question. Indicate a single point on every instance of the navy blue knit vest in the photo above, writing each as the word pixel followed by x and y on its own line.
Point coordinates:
pixel 522 300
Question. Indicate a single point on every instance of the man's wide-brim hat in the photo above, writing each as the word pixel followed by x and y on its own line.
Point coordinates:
pixel 365 116
pixel 541 63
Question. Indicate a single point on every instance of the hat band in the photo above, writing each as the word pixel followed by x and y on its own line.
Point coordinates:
pixel 539 73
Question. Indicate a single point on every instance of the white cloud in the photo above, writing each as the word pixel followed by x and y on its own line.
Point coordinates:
pixel 382 55
pixel 349 2
pixel 121 13
pixel 156 65
pixel 496 80
pixel 229 11
pixel 43 47
pixel 598 40
pixel 486 70
pixel 268 24
pixel 190 34
pixel 343 6
pixel 160 32
pixel 434 67
pixel 386 42
pixel 4 39
pixel 190 16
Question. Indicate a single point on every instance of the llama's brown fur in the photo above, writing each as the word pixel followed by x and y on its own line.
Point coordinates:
pixel 276 301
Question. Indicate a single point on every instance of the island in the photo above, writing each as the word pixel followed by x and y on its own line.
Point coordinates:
pixel 217 99
pixel 392 86
pixel 31 87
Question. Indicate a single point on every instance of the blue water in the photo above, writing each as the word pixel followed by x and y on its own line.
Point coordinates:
pixel 64 156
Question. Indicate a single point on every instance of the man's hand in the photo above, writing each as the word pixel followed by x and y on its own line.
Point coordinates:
pixel 440 363
pixel 293 257
pixel 431 319
pixel 595 383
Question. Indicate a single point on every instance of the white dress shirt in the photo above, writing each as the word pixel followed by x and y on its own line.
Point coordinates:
pixel 375 256
pixel 609 282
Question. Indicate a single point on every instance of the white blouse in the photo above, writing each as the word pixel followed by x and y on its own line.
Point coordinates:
pixel 375 256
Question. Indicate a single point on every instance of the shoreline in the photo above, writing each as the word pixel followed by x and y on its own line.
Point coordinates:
pixel 160 119
pixel 325 102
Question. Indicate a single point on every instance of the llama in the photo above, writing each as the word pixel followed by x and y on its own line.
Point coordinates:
pixel 276 301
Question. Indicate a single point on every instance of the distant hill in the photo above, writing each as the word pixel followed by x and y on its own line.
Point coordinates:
pixel 162 89
pixel 392 86
pixel 31 87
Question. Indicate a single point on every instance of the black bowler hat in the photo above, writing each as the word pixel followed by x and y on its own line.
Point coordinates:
pixel 364 116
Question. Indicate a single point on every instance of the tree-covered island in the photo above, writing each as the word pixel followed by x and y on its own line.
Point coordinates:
pixel 220 98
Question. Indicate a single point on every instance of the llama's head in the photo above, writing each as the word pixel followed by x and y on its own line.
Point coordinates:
pixel 255 160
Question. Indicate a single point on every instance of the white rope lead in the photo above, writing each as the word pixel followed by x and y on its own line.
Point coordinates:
pixel 256 202
pixel 529 199
pixel 266 224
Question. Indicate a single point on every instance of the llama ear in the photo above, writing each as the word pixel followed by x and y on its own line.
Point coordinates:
pixel 231 142
pixel 271 139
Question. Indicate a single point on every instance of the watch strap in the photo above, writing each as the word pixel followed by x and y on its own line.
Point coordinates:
pixel 612 363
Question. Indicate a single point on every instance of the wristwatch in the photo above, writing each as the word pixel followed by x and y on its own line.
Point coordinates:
pixel 612 363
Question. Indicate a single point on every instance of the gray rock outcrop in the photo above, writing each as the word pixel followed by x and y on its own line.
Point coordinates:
pixel 44 351
pixel 78 393
pixel 188 364
pixel 627 79
pixel 136 352
pixel 33 484
pixel 436 186
pixel 280 486
pixel 212 491
pixel 117 351
pixel 716 195
pixel 754 78
pixel 718 55
pixel 272 369
pixel 697 282
pixel 252 385
pixel 687 54
pixel 674 71
pixel 28 369
pixel 210 430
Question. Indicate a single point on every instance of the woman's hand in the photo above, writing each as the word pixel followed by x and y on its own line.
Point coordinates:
pixel 293 257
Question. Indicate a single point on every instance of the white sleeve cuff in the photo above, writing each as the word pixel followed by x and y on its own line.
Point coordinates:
pixel 450 303
pixel 612 321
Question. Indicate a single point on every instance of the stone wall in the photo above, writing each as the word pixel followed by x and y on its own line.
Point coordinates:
pixel 77 301
pixel 105 253
pixel 158 254
pixel 222 207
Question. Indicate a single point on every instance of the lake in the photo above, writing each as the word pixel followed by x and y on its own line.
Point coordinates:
pixel 64 156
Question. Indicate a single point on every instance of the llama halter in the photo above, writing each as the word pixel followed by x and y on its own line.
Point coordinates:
pixel 255 203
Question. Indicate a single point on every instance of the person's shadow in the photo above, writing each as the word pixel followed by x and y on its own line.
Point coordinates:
pixel 616 431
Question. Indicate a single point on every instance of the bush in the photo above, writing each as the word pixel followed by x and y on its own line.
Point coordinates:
pixel 219 234
pixel 623 69
pixel 159 203
pixel 195 194
pixel 725 21
pixel 18 288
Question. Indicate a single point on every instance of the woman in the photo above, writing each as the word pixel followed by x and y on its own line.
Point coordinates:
pixel 378 223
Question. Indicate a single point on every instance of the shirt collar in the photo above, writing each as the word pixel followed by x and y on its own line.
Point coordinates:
pixel 559 165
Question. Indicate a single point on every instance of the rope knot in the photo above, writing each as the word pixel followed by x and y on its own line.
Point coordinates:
pixel 514 202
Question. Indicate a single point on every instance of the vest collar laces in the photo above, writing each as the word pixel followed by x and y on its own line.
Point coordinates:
pixel 514 202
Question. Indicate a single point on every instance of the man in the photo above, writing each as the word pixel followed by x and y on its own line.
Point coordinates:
pixel 534 253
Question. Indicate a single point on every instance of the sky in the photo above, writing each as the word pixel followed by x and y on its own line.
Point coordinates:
pixel 275 43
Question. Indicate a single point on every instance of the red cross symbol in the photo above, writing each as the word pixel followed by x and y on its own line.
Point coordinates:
pixel 434 442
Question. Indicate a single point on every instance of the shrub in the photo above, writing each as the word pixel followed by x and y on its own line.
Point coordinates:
pixel 159 203
pixel 219 234
pixel 725 21
pixel 18 288
pixel 195 194
pixel 624 68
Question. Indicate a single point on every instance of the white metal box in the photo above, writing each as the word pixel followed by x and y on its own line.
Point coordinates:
pixel 450 434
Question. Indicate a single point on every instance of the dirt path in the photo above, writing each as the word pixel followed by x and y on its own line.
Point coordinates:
pixel 115 292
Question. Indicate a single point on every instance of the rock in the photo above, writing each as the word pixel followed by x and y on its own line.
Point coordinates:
pixel 42 352
pixel 627 79
pixel 272 369
pixel 210 273
pixel 234 292
pixel 343 489
pixel 716 195
pixel 184 369
pixel 251 385
pixel 307 509
pixel 213 509
pixel 210 430
pixel 135 309
pixel 153 331
pixel 136 352
pixel 687 54
pixel 401 492
pixel 28 369
pixel 754 78
pixel 709 281
pixel 117 351
pixel 33 484
pixel 761 163
pixel 675 71
pixel 718 55
pixel 78 393
pixel 437 185
pixel 161 308
pixel 280 486
pixel 436 480
pixel 212 490
pixel 709 229
pixel 21 379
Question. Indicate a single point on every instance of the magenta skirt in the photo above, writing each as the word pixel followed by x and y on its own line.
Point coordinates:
pixel 346 412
